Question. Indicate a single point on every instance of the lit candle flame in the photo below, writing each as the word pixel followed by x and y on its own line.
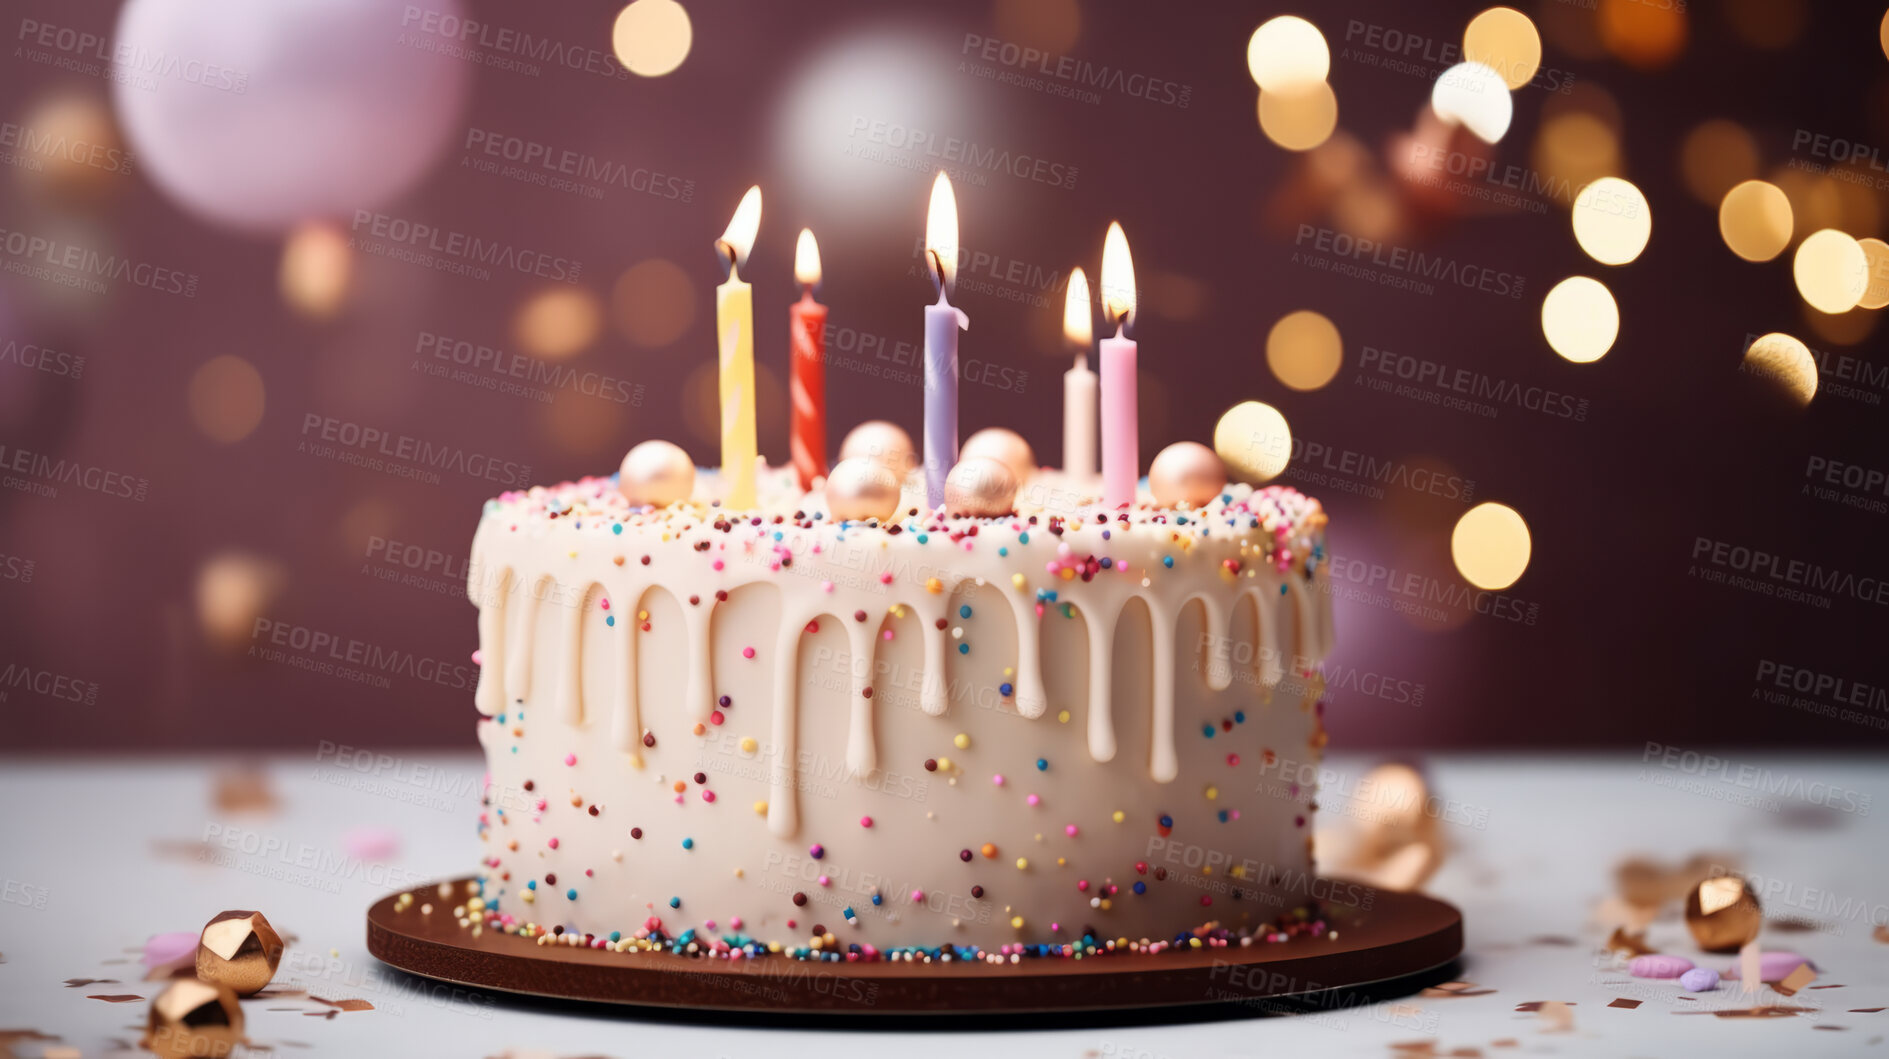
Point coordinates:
pixel 807 259
pixel 738 240
pixel 941 234
pixel 1118 278
pixel 1078 317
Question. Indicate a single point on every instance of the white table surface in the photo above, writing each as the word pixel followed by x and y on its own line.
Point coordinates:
pixel 101 853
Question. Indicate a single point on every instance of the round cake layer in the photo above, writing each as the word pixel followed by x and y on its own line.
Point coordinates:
pixel 971 732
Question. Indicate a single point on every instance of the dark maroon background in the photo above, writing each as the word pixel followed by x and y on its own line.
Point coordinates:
pixel 1677 443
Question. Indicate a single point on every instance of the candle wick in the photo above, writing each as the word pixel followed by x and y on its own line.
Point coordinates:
pixel 727 250
pixel 937 270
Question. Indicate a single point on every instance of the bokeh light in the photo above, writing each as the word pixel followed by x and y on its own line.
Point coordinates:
pixel 1491 546
pixel 1580 319
pixel 233 590
pixel 84 161
pixel 1876 292
pixel 652 37
pixel 1287 53
pixel 1299 119
pixel 317 270
pixel 1715 156
pixel 1755 220
pixel 1504 40
pixel 1254 441
pixel 226 399
pixel 1642 34
pixel 653 303
pixel 1831 270
pixel 1815 201
pixel 558 322
pixel 1576 148
pixel 1612 221
pixel 1304 350
pixel 1786 363
pixel 1474 96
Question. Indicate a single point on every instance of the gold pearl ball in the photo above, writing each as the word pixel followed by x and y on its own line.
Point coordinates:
pixel 1006 447
pixel 239 950
pixel 1723 914
pixel 980 487
pixel 657 473
pixel 1186 472
pixel 861 488
pixel 194 1018
pixel 879 440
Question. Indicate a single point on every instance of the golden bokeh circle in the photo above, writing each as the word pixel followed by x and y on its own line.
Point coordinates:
pixel 1287 53
pixel 226 399
pixel 316 271
pixel 557 322
pixel 1491 546
pixel 1576 148
pixel 652 37
pixel 653 303
pixel 1876 292
pixel 1783 360
pixel 1254 441
pixel 1831 270
pixel 1754 219
pixel 1505 40
pixel 1612 221
pixel 1642 34
pixel 1714 157
pixel 1299 119
pixel 234 589
pixel 1304 350
pixel 1474 96
pixel 1580 319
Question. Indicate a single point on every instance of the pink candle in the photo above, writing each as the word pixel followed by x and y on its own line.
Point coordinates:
pixel 1121 449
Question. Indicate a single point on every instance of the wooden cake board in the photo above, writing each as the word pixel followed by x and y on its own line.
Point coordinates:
pixel 1397 936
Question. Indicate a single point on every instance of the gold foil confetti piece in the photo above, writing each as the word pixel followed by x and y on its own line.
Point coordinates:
pixel 1624 1002
pixel 1796 980
pixel 1629 945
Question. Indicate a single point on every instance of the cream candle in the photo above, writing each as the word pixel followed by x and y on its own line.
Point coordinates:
pixel 1079 386
pixel 734 329
pixel 1121 457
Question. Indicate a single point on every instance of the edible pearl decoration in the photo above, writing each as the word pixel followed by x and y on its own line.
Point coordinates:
pixel 1186 472
pixel 861 488
pixel 879 440
pixel 1006 447
pixel 658 473
pixel 980 487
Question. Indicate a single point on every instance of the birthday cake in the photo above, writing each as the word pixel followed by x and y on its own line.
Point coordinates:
pixel 1019 724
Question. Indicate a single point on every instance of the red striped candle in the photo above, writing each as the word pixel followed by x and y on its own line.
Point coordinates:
pixel 806 326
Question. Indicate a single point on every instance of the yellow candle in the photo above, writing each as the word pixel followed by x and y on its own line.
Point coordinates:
pixel 734 328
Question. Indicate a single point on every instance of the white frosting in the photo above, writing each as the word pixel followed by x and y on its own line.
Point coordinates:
pixel 851 715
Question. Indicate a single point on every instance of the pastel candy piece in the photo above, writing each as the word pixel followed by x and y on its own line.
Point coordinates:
pixel 1699 980
pixel 1659 965
pixel 1774 966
